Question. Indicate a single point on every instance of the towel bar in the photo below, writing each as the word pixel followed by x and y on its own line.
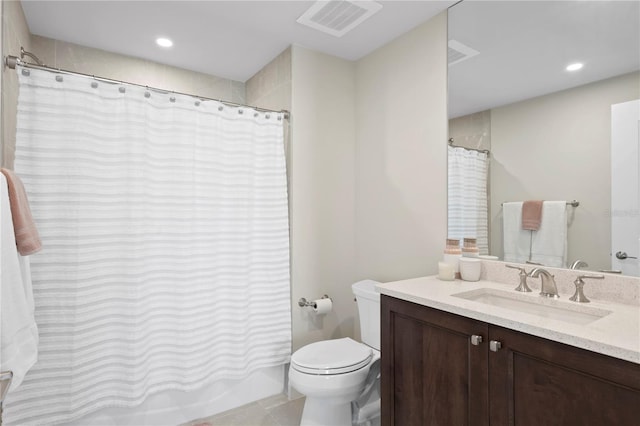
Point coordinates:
pixel 574 203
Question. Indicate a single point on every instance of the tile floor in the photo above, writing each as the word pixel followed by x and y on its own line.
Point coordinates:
pixel 276 410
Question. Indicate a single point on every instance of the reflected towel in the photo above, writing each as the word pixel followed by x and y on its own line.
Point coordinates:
pixel 18 330
pixel 27 238
pixel 549 245
pixel 516 241
pixel 532 215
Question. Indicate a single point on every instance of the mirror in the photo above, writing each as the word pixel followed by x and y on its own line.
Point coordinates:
pixel 548 129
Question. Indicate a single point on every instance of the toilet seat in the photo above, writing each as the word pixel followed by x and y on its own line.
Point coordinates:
pixel 330 357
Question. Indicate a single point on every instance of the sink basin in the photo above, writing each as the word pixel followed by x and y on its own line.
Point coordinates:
pixel 541 307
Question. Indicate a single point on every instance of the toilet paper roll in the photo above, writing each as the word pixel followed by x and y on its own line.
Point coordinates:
pixel 322 306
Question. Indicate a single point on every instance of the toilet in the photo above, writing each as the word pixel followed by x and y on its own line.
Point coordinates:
pixel 336 375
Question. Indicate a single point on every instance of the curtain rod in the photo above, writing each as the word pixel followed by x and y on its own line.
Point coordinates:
pixel 12 61
pixel 484 151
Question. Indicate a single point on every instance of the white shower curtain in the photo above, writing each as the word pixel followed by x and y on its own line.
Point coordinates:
pixel 467 195
pixel 165 261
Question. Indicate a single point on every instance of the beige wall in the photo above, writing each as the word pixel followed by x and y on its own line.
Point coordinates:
pixel 471 131
pixel 322 193
pixel 367 169
pixel 401 163
pixel 557 147
pixel 15 34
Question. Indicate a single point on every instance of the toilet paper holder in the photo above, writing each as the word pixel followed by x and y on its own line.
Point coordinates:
pixel 303 303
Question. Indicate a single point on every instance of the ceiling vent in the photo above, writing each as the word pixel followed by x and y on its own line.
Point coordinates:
pixel 458 52
pixel 338 17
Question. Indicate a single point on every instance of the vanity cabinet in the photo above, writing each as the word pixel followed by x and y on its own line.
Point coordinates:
pixel 431 372
pixel 444 369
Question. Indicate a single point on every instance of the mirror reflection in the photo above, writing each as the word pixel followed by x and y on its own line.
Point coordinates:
pixel 543 106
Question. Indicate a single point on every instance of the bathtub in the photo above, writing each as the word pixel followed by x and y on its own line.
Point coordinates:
pixel 173 408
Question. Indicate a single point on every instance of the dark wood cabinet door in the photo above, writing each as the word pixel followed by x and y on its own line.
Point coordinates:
pixel 431 372
pixel 534 381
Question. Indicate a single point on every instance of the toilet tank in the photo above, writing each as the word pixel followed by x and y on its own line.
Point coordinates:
pixel 369 310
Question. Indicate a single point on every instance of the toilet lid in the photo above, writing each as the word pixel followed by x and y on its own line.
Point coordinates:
pixel 336 356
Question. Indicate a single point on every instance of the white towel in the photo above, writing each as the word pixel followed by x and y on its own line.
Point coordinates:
pixel 516 241
pixel 549 245
pixel 18 331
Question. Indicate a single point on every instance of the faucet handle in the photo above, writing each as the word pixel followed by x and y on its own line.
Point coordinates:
pixel 579 296
pixel 515 267
pixel 579 264
pixel 522 287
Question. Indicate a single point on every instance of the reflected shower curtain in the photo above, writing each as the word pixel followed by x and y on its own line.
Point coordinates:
pixel 467 195
pixel 165 261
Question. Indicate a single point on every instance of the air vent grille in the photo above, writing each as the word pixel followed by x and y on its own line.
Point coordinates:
pixel 338 17
pixel 453 55
pixel 458 52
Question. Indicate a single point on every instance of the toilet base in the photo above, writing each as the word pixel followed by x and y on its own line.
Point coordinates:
pixel 323 412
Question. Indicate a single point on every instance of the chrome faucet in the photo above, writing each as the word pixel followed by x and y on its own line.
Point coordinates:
pixel 579 264
pixel 548 287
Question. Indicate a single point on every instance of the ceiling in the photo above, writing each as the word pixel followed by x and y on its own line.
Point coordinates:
pixel 525 46
pixel 230 39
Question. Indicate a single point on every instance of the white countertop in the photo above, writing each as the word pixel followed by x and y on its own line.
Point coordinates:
pixel 616 334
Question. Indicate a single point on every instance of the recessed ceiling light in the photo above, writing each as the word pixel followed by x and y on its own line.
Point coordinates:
pixel 164 42
pixel 574 67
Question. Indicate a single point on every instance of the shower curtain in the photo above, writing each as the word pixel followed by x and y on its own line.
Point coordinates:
pixel 165 261
pixel 467 196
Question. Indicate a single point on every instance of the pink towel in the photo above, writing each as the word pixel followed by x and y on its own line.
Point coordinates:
pixel 27 238
pixel 532 215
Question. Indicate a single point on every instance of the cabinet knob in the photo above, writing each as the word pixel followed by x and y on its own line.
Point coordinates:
pixel 476 340
pixel 495 346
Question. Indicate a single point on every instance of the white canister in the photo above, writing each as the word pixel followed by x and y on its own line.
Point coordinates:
pixel 470 268
pixel 446 272
pixel 453 260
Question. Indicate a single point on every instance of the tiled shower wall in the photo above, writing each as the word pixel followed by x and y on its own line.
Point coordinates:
pixel 15 34
pixel 472 131
pixel 271 88
pixel 87 60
